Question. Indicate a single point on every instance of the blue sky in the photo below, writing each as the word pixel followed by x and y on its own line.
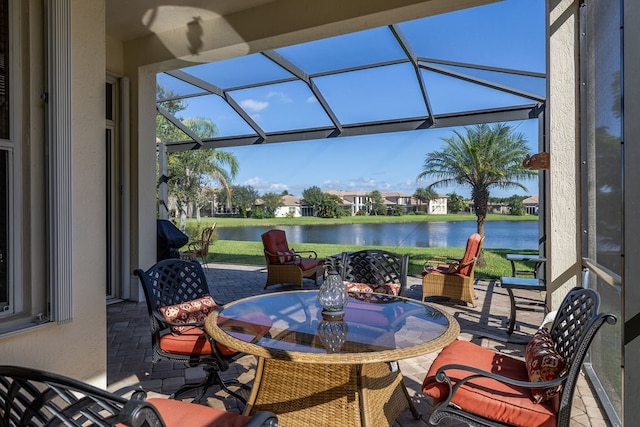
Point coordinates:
pixel 385 162
pixel 507 34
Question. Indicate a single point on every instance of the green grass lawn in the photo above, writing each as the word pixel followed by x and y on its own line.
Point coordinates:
pixel 240 252
pixel 237 252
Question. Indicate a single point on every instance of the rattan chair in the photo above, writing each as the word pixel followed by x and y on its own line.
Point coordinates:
pixel 453 278
pixel 200 248
pixel 373 270
pixel 479 386
pixel 285 264
pixel 172 282
pixel 30 397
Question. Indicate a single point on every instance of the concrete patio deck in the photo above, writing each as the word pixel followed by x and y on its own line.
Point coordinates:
pixel 129 343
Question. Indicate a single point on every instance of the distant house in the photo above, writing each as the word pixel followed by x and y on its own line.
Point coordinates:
pixel 531 205
pixel 438 206
pixel 357 201
pixel 397 199
pixel 291 207
pixel 352 201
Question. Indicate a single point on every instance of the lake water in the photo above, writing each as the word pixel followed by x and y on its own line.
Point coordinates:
pixel 498 234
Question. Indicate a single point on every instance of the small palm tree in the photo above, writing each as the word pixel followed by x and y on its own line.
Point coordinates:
pixel 482 157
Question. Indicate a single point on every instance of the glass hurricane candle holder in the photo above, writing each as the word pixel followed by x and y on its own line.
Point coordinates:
pixel 332 295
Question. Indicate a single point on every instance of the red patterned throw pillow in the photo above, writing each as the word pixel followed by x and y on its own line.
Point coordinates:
pixel 193 311
pixel 543 364
pixel 286 256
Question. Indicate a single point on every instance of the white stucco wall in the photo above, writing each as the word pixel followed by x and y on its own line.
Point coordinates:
pixel 563 227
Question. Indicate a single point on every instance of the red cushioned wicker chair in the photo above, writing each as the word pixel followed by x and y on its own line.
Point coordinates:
pixel 286 265
pixel 453 278
pixel 481 387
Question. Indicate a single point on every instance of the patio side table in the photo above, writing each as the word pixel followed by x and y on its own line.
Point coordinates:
pixel 523 283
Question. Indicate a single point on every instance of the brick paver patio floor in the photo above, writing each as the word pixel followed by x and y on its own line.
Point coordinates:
pixel 129 343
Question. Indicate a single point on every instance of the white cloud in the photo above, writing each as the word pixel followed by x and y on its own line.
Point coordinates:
pixel 262 186
pixel 311 100
pixel 281 96
pixel 253 104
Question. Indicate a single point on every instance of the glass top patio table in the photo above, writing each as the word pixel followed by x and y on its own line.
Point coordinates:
pixel 375 328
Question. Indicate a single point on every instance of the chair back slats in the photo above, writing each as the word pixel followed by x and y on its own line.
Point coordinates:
pixel 573 319
pixel 173 281
pixel 375 267
pixel 33 398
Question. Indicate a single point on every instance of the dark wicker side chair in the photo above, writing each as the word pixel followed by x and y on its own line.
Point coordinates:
pixel 481 387
pixel 175 283
pixel 30 397
pixel 374 270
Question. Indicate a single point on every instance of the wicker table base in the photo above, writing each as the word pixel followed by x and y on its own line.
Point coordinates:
pixel 341 395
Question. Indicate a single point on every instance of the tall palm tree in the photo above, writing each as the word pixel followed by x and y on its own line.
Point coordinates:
pixel 482 157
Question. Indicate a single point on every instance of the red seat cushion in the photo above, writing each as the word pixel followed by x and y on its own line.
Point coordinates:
pixel 309 263
pixel 194 341
pixel 275 241
pixel 442 269
pixel 181 414
pixel 487 397
pixel 471 251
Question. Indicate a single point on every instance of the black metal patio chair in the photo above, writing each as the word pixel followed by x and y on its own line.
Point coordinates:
pixel 483 387
pixel 30 397
pixel 178 301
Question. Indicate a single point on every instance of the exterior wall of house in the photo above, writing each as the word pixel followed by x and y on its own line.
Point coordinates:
pixel 438 206
pixel 563 190
pixel 285 211
pixel 76 348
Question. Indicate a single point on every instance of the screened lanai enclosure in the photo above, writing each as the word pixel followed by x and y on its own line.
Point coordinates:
pixel 441 71
pixel 479 65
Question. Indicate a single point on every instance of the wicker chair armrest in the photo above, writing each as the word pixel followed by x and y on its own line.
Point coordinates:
pixel 138 413
pixel 312 254
pixel 442 260
pixel 197 245
pixel 297 258
pixel 263 419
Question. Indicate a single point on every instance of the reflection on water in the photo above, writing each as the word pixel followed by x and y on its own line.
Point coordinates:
pixel 498 234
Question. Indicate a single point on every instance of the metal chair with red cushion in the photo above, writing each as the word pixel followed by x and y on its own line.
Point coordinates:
pixel 176 290
pixel 482 387
pixel 374 270
pixel 285 264
pixel 31 397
